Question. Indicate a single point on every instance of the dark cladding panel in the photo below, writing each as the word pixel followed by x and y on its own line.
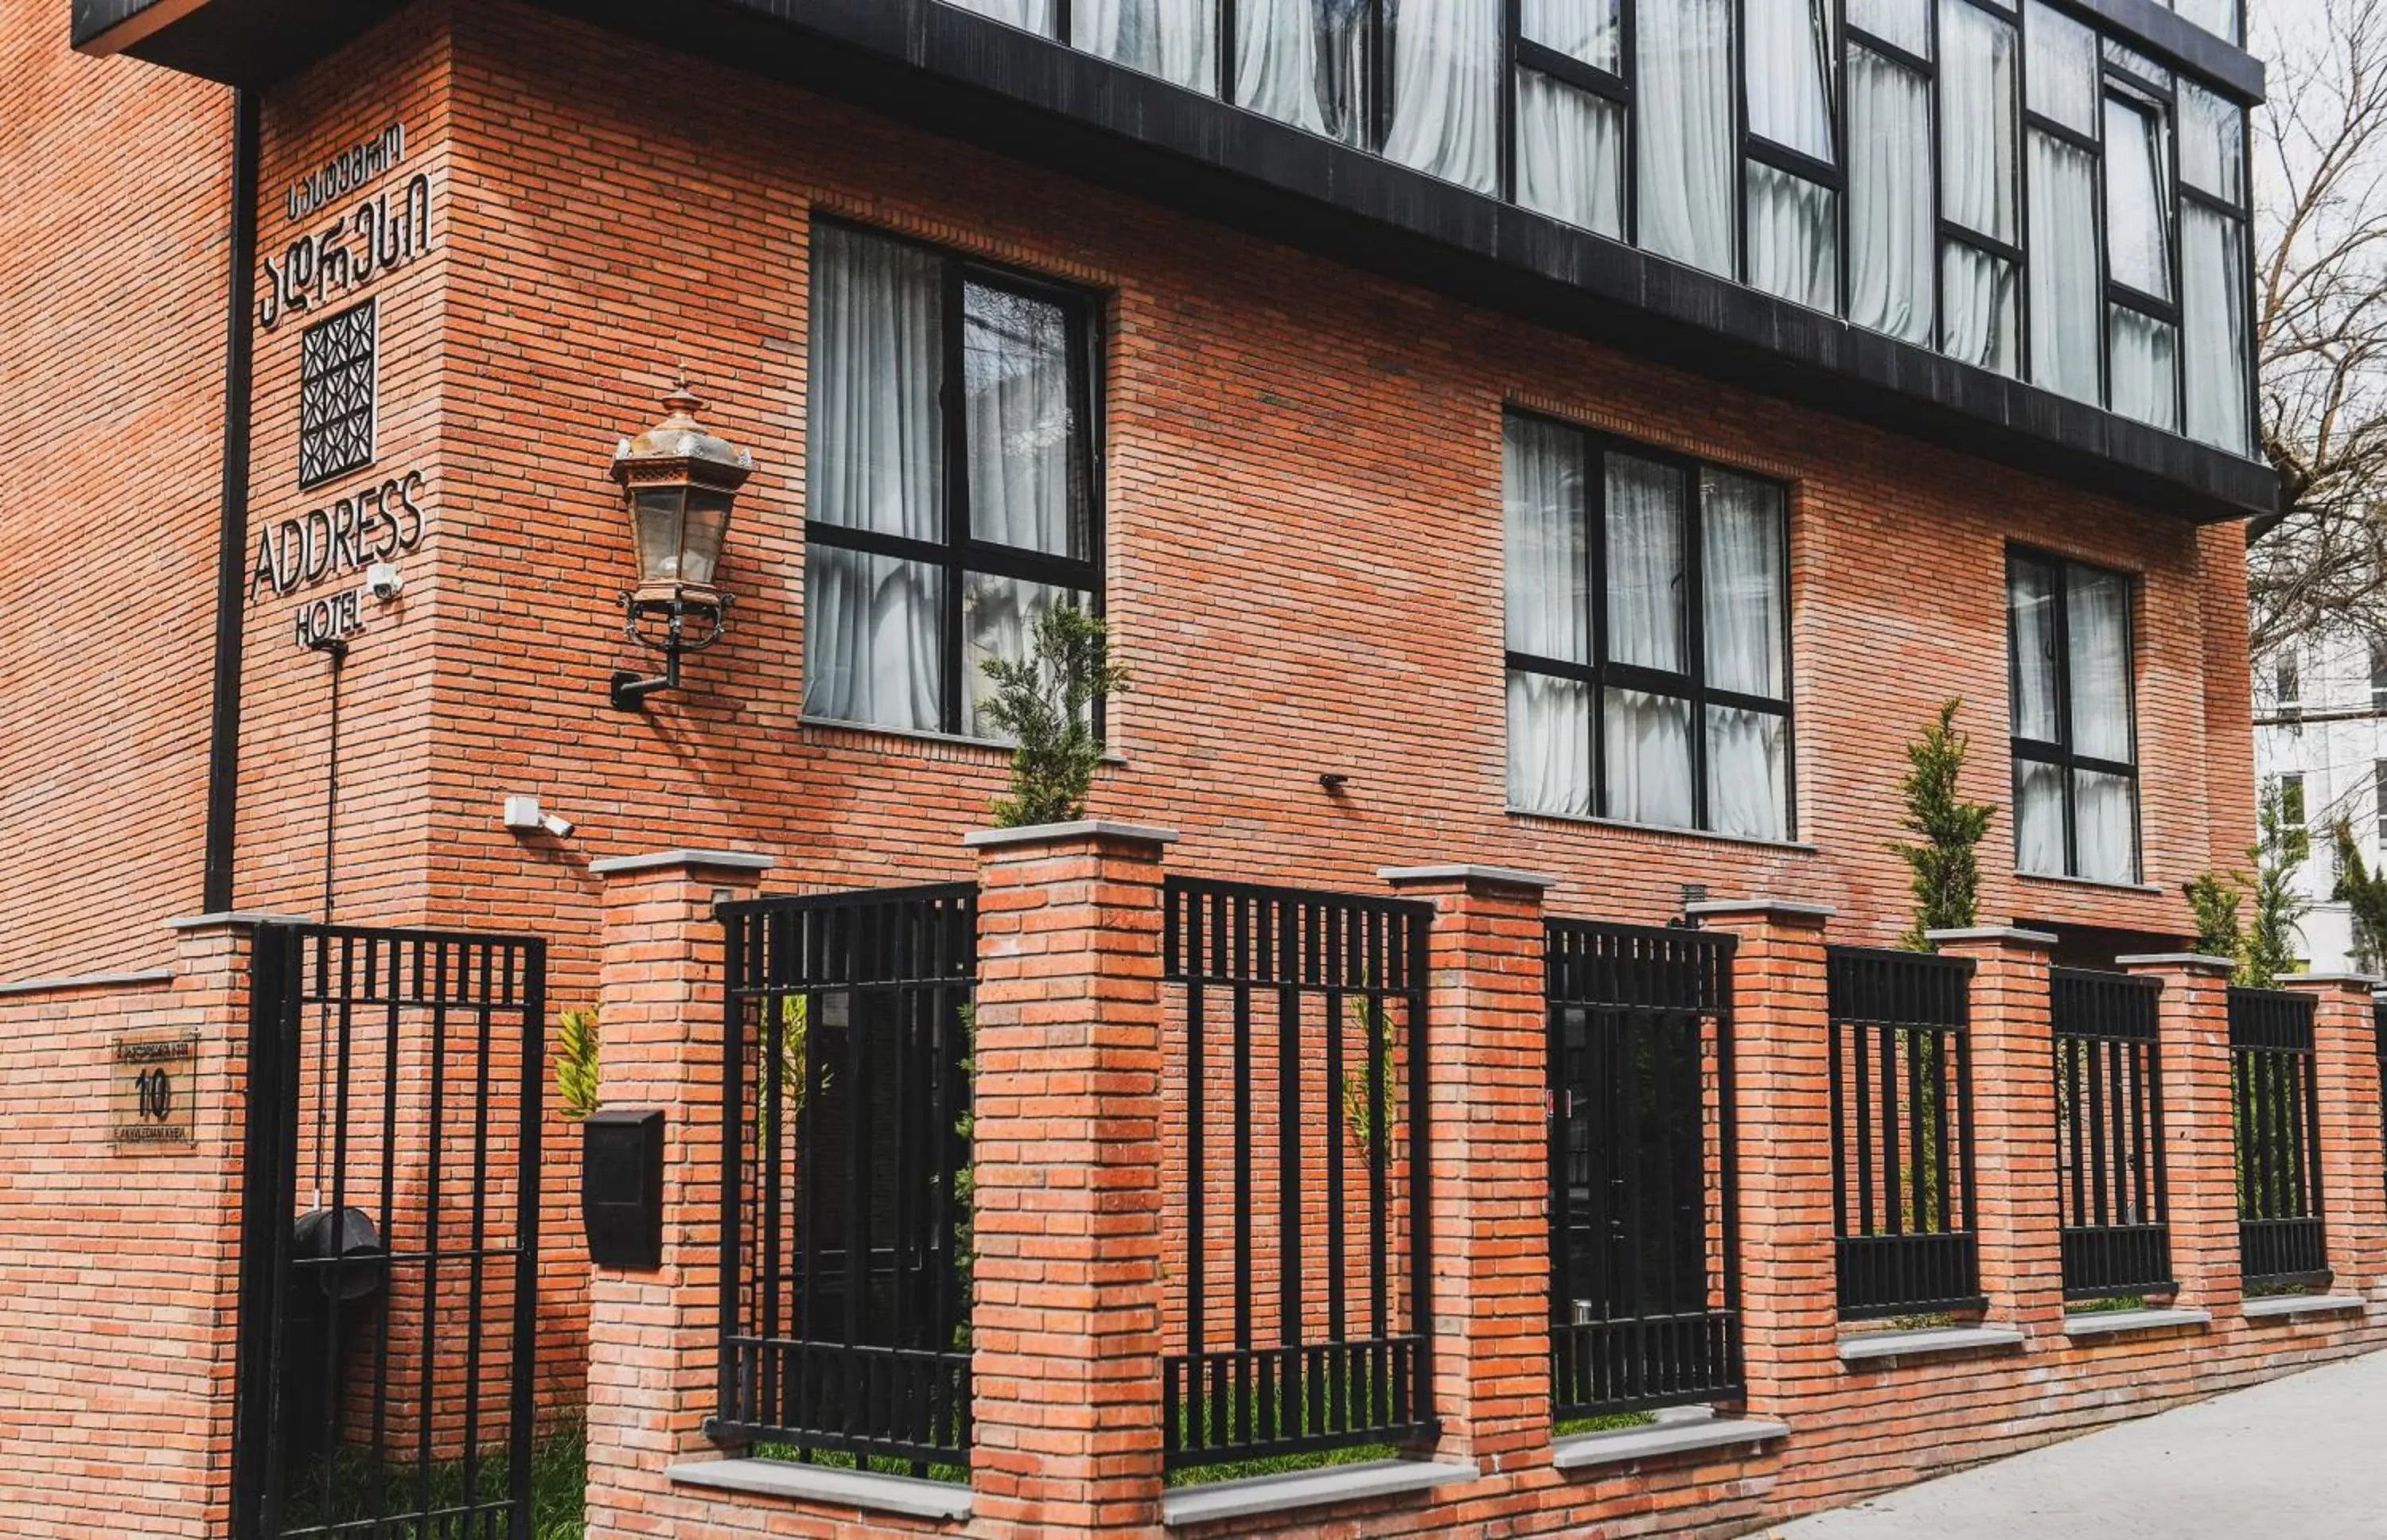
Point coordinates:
pixel 249 43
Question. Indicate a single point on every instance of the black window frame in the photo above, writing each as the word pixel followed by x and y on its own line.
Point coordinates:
pixel 2060 752
pixel 1601 675
pixel 957 552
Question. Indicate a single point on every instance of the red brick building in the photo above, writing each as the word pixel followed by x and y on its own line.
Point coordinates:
pixel 1588 440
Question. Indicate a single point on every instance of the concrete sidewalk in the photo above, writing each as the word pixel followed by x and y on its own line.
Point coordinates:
pixel 2305 1455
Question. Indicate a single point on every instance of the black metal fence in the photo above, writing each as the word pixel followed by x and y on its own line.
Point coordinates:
pixel 1903 1132
pixel 844 1225
pixel 2109 1144
pixel 2276 1097
pixel 1644 1287
pixel 1295 1138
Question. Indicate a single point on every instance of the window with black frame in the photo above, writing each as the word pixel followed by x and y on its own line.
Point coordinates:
pixel 2074 756
pixel 951 477
pixel 1647 636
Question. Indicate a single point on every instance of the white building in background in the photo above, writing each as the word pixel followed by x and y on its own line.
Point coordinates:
pixel 2320 733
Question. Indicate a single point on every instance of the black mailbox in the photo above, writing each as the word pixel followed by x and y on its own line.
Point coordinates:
pixel 622 1186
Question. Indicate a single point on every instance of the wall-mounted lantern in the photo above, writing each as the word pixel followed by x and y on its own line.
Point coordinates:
pixel 680 481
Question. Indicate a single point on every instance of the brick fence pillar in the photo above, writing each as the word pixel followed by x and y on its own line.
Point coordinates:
pixel 1067 1116
pixel 2199 1138
pixel 1487 1189
pixel 1782 1121
pixel 2017 1208
pixel 654 1337
pixel 2345 1059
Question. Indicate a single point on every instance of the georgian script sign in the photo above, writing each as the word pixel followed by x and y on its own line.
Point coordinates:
pixel 381 235
pixel 153 1090
pixel 374 523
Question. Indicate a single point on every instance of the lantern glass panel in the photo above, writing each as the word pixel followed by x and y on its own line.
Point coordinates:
pixel 656 511
pixel 701 533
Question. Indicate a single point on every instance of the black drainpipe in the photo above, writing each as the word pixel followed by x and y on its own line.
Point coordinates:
pixel 231 544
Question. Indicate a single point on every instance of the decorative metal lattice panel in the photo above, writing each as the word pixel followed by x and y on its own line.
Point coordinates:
pixel 338 374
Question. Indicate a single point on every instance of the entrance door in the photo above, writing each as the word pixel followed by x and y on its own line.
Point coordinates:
pixel 389 1243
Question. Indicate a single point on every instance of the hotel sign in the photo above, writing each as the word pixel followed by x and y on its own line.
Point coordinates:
pixel 153 1090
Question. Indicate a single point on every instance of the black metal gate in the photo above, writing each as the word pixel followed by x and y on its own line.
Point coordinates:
pixel 389 1238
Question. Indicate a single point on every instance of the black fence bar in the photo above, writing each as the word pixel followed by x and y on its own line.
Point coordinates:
pixel 2109 1141
pixel 1644 1285
pixel 2275 1094
pixel 1903 1132
pixel 845 1224
pixel 1299 1316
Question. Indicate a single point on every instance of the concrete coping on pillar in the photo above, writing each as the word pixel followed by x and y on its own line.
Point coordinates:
pixel 1054 834
pixel 221 918
pixel 1461 872
pixel 1336 1483
pixel 708 861
pixel 1788 909
pixel 2190 961
pixel 2013 935
pixel 865 1490
pixel 2366 981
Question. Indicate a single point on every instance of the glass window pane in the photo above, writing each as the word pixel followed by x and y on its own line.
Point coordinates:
pixel 1747 779
pixel 1794 238
pixel 1906 23
pixel 1022 424
pixel 1977 120
pixel 2039 818
pixel 877 344
pixel 2137 246
pixel 999 618
pixel 1789 74
pixel 1176 40
pixel 2122 57
pixel 1549 744
pixel 2061 77
pixel 1304 62
pixel 2097 614
pixel 1645 571
pixel 2213 304
pixel 2030 623
pixel 1034 15
pixel 2145 368
pixel 1549 558
pixel 2064 288
pixel 2218 17
pixel 2104 823
pixel 1685 154
pixel 1978 310
pixel 1889 198
pixel 1446 89
pixel 1649 758
pixel 2212 143
pixel 1740 522
pixel 871 640
pixel 1570 154
pixel 1592 31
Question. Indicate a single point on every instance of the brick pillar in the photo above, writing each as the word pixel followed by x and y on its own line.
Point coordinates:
pixel 1782 1122
pixel 654 1337
pixel 1068 1221
pixel 1487 1192
pixel 2199 1138
pixel 2345 1053
pixel 2017 1208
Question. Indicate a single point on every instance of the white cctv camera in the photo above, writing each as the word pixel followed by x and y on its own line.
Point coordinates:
pixel 384 581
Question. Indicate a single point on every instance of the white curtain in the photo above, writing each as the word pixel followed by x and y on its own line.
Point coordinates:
pixel 2064 282
pixel 1570 160
pixel 2136 240
pixel 1649 758
pixel 1789 51
pixel 1977 296
pixel 1741 547
pixel 1906 23
pixel 1645 570
pixel 1747 773
pixel 1020 422
pixel 2039 818
pixel 1034 15
pixel 1686 154
pixel 1548 595
pixel 2143 369
pixel 1176 40
pixel 2061 76
pixel 1446 90
pixel 876 453
pixel 1304 62
pixel 2105 826
pixel 1794 238
pixel 1592 31
pixel 2098 621
pixel 2031 619
pixel 2212 143
pixel 1976 120
pixel 2218 17
pixel 998 614
pixel 1889 198
pixel 2213 317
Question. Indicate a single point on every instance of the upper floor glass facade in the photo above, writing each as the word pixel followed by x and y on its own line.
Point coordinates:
pixel 1993 179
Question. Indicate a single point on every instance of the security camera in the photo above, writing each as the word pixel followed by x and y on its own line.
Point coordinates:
pixel 524 815
pixel 557 824
pixel 384 581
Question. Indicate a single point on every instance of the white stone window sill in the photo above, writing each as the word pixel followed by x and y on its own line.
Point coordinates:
pixel 2098 884
pixel 1336 1483
pixel 2112 1323
pixel 864 1490
pixel 2299 1306
pixel 993 748
pixel 1664 830
pixel 1872 1346
pixel 1631 1446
